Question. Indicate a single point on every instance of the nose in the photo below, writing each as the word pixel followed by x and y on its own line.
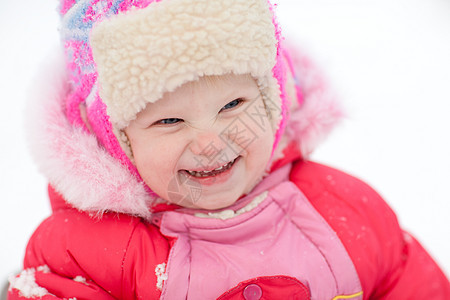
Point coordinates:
pixel 207 142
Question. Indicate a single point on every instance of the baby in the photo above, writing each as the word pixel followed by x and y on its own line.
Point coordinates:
pixel 176 145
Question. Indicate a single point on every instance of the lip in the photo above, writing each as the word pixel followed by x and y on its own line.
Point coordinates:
pixel 214 179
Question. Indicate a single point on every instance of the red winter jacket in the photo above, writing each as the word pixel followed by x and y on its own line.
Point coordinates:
pixel 116 254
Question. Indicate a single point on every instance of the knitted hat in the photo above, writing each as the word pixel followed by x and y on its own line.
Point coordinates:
pixel 124 54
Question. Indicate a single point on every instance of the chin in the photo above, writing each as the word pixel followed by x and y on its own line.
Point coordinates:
pixel 215 204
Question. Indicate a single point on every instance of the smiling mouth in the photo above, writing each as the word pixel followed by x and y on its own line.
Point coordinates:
pixel 214 172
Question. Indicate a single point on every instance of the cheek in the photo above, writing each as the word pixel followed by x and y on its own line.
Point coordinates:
pixel 155 164
pixel 262 149
pixel 253 139
pixel 257 134
pixel 156 176
pixel 245 131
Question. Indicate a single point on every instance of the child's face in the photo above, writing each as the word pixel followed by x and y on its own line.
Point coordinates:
pixel 205 144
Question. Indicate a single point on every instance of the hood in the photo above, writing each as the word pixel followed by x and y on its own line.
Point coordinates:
pixel 91 180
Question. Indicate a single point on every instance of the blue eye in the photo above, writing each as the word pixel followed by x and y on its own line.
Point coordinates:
pixel 232 104
pixel 168 121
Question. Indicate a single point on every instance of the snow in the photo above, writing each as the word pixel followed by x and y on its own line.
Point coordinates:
pixel 387 59
pixel 161 275
pixel 26 284
pixel 80 279
pixel 43 269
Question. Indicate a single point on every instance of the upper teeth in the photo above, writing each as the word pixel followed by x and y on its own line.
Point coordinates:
pixel 207 173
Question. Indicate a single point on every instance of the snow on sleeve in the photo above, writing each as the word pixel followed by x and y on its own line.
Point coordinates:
pixel 43 269
pixel 161 275
pixel 80 279
pixel 26 284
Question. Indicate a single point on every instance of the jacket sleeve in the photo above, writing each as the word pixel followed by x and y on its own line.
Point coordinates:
pixel 42 283
pixel 391 264
pixel 73 255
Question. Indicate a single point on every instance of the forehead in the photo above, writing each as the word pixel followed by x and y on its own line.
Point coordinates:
pixel 220 81
pixel 222 86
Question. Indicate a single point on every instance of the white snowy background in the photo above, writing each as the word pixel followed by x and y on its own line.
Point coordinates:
pixel 388 60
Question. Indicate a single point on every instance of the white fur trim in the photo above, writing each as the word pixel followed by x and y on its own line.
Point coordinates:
pixel 309 123
pixel 143 53
pixel 77 167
